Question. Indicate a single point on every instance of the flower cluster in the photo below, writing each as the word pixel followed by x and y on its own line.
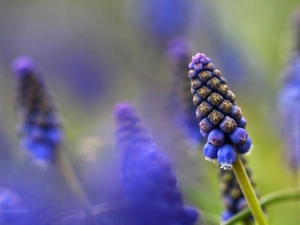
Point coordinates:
pixel 38 123
pixel 183 108
pixel 233 198
pixel 289 111
pixel 164 20
pixel 150 185
pixel 222 122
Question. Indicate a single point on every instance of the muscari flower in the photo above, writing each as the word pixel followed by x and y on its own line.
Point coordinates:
pixel 289 111
pixel 39 125
pixel 150 184
pixel 233 198
pixel 183 108
pixel 163 20
pixel 222 122
pixel 288 100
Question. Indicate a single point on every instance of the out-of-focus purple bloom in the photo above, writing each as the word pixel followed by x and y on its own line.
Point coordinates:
pixel 181 105
pixel 289 111
pixel 220 117
pixel 163 20
pixel 13 210
pixel 38 123
pixel 150 185
pixel 84 74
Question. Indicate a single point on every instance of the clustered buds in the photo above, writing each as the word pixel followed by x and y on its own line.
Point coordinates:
pixel 233 198
pixel 222 121
pixel 38 123
pixel 150 185
pixel 183 109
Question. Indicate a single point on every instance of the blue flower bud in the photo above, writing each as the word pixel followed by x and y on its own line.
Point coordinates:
pixel 245 147
pixel 226 156
pixel 242 123
pixel 216 137
pixel 238 136
pixel 226 215
pixel 210 152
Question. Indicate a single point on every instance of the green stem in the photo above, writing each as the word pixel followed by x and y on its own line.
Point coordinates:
pixel 275 197
pixel 248 191
pixel 67 172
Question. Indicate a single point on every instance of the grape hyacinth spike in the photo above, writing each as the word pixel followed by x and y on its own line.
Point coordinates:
pixel 149 182
pixel 39 125
pixel 221 119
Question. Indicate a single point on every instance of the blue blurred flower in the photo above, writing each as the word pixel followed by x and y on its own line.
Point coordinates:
pixel 12 208
pixel 289 111
pixel 150 185
pixel 163 20
pixel 38 123
pixel 183 109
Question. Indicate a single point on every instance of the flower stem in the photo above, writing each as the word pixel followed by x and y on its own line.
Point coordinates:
pixel 272 198
pixel 248 191
pixel 67 172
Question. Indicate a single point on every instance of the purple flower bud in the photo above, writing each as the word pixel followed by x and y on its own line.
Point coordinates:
pixel 228 124
pixel 23 66
pixel 216 137
pixel 242 123
pixel 206 126
pixel 236 113
pixel 245 147
pixel 210 152
pixel 226 215
pixel 226 156
pixel 238 136
pixel 204 135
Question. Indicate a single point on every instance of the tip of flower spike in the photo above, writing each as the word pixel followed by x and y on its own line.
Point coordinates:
pixel 124 110
pixel 23 65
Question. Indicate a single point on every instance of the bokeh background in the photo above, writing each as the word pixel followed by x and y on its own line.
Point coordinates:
pixel 94 54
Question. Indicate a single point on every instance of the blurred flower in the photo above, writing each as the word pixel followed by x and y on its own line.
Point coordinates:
pixel 12 209
pixel 150 185
pixel 182 107
pixel 289 111
pixel 84 73
pixel 233 198
pixel 232 57
pixel 38 123
pixel 163 20
pixel 220 117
